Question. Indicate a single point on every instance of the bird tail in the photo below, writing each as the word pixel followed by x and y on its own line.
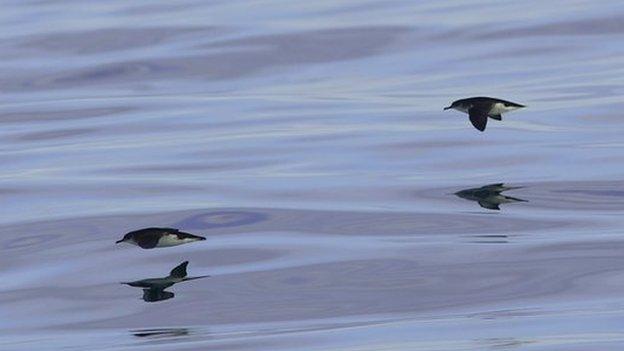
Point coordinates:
pixel 193 236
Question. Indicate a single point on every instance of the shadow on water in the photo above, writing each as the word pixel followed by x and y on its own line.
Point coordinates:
pixel 489 196
pixel 489 239
pixel 159 333
pixel 154 288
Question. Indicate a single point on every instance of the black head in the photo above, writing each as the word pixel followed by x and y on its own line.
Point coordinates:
pixel 457 104
pixel 126 237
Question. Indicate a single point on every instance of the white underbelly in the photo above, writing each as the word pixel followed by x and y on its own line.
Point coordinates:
pixel 172 240
pixel 499 108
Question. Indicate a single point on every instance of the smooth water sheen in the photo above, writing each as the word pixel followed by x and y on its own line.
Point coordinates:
pixel 306 140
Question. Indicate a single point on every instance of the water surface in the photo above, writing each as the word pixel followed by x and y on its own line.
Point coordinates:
pixel 307 141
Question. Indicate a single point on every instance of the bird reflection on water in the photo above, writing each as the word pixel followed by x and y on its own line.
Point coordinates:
pixel 489 196
pixel 154 288
pixel 160 333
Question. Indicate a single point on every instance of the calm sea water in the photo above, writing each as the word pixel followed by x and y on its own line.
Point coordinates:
pixel 307 141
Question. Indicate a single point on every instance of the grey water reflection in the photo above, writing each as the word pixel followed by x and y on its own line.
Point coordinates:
pixel 490 196
pixel 489 239
pixel 158 333
pixel 154 288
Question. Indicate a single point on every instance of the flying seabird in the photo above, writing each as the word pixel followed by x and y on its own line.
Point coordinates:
pixel 480 108
pixel 489 196
pixel 150 238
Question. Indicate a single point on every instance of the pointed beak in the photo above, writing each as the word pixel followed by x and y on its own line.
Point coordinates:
pixel 119 241
pixel 447 107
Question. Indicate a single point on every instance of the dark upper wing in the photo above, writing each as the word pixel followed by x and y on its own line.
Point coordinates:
pixel 170 230
pixel 478 117
pixel 147 238
pixel 153 295
pixel 149 242
pixel 179 271
pixel 489 205
pixel 153 230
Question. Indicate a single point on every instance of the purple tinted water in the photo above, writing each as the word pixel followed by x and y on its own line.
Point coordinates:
pixel 307 142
